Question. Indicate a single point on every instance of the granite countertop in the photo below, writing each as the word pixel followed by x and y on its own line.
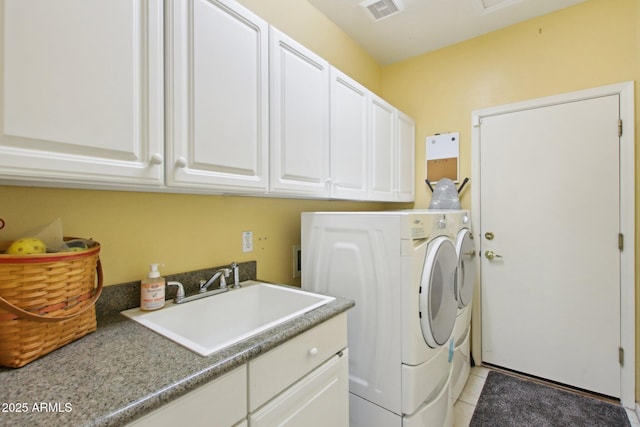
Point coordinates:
pixel 124 370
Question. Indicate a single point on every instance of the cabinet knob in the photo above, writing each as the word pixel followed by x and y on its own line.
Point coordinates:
pixel 156 159
pixel 313 351
pixel 181 162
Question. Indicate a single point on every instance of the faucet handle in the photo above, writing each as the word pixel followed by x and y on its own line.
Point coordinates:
pixel 179 293
pixel 225 274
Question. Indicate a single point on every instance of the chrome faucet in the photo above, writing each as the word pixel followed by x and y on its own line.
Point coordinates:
pixel 222 274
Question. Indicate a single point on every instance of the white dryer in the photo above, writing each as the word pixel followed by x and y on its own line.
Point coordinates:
pixel 467 259
pixel 400 269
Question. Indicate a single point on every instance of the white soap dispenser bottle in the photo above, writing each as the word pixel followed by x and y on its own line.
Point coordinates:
pixel 152 290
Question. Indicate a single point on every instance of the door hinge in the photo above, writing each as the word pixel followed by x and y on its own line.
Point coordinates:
pixel 620 241
pixel 619 127
pixel 621 356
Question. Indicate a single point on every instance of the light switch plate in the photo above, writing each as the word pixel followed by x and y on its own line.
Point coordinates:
pixel 247 241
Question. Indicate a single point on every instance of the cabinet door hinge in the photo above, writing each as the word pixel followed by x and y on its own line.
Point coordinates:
pixel 620 241
pixel 619 127
pixel 621 356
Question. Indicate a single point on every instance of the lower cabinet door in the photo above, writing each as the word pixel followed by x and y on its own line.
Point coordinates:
pixel 319 399
pixel 220 403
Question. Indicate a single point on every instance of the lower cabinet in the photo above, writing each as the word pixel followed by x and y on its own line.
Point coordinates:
pixel 222 402
pixel 319 399
pixel 303 382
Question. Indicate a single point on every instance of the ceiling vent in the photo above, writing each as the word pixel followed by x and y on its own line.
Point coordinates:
pixel 488 6
pixel 380 9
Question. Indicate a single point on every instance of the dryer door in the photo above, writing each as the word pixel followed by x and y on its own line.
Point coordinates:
pixel 466 267
pixel 438 303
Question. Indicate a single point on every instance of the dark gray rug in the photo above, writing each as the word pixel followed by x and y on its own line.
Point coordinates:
pixel 507 401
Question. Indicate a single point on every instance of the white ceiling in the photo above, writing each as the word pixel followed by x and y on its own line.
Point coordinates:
pixel 426 25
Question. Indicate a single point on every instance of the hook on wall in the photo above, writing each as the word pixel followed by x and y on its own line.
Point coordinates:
pixel 464 182
pixel 429 184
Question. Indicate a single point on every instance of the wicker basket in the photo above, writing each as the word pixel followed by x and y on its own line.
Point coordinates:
pixel 46 301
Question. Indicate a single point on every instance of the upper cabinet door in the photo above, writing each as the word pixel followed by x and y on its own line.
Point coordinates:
pixel 349 137
pixel 82 92
pixel 299 119
pixel 218 103
pixel 405 157
pixel 383 150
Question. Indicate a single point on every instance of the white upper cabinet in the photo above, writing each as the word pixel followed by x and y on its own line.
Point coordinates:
pixel 218 103
pixel 349 137
pixel 248 110
pixel 82 92
pixel 392 153
pixel 405 157
pixel 383 134
pixel 299 119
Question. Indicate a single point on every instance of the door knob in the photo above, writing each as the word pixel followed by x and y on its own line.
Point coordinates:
pixel 491 255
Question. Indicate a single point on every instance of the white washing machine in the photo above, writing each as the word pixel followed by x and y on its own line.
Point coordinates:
pixel 467 259
pixel 400 269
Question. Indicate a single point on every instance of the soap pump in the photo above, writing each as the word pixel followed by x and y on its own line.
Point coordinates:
pixel 152 290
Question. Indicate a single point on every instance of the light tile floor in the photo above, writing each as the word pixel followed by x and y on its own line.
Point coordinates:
pixel 466 404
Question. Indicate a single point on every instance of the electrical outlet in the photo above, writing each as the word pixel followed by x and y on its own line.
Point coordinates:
pixel 247 241
pixel 297 261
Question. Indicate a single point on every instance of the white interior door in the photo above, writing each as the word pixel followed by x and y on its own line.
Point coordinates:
pixel 549 196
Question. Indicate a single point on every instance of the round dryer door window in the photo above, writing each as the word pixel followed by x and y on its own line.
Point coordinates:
pixel 438 302
pixel 466 267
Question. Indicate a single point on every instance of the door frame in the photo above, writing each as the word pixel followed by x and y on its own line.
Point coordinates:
pixel 627 217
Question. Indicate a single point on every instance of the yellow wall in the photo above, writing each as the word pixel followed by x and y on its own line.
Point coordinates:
pixel 187 232
pixel 592 44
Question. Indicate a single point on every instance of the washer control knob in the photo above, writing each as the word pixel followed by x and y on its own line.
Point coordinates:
pixel 313 351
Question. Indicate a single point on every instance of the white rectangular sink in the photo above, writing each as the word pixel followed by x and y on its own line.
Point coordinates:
pixel 215 322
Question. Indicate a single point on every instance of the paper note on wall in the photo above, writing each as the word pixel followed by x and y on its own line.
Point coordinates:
pixel 443 151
